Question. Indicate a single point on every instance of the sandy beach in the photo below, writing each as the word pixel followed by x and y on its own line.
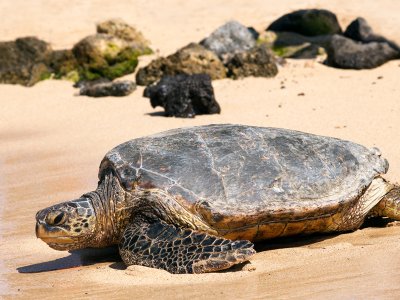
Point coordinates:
pixel 52 141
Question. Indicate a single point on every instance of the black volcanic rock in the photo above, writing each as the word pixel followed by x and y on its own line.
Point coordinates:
pixel 310 22
pixel 346 53
pixel 184 95
pixel 360 30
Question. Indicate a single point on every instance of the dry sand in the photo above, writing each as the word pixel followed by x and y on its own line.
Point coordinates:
pixel 51 143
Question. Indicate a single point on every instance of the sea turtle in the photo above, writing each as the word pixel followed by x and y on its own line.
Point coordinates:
pixel 192 200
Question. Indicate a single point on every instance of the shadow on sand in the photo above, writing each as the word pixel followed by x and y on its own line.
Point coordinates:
pixel 303 240
pixel 86 257
pixel 77 258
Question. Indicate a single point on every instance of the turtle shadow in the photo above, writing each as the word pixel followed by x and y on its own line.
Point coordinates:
pixel 293 241
pixel 118 265
pixel 77 258
pixel 87 257
pixel 377 222
pixel 304 240
pixel 156 114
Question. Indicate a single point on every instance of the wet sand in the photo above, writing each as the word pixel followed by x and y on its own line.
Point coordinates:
pixel 51 143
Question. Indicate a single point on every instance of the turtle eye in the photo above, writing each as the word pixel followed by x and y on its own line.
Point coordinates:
pixel 56 218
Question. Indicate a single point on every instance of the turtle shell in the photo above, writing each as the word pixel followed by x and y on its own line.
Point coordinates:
pixel 227 173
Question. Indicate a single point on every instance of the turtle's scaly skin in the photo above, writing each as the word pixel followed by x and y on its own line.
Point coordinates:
pixel 177 200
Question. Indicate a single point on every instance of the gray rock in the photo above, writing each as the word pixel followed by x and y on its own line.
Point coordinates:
pixel 348 54
pixel 310 22
pixel 360 30
pixel 192 59
pixel 104 89
pixel 184 95
pixel 230 38
pixel 85 83
pixel 258 62
pixel 24 61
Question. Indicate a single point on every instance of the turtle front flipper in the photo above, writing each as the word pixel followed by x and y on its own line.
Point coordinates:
pixel 157 244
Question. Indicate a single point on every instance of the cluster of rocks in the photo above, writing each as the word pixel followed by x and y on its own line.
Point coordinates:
pixel 184 78
pixel 110 53
pixel 181 82
pixel 230 51
pixel 309 33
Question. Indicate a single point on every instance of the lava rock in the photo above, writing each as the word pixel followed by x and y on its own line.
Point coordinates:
pixel 104 55
pixel 105 89
pixel 360 30
pixel 348 54
pixel 184 95
pixel 118 28
pixel 230 38
pixel 24 61
pixel 192 59
pixel 310 22
pixel 257 62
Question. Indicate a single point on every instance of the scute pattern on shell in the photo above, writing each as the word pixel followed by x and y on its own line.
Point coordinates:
pixel 238 171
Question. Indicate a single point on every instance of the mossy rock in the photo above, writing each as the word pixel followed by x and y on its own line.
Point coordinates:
pixel 104 55
pixel 309 22
pixel 63 64
pixel 118 28
pixel 294 45
pixel 24 61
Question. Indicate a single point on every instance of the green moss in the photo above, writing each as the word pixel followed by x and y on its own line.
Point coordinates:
pixel 113 67
pixel 111 47
pixel 72 76
pixel 86 73
pixel 280 51
pixel 120 69
pixel 44 76
pixel 147 51
pixel 268 38
pixel 67 73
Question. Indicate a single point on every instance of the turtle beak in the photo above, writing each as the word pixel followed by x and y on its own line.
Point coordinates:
pixel 51 236
pixel 49 233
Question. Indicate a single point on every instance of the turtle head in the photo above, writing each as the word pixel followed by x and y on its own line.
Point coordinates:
pixel 67 226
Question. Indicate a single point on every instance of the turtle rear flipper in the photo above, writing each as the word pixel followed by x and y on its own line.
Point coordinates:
pixel 160 245
pixel 389 206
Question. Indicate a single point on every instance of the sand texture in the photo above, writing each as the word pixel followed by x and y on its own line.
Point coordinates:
pixel 52 141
